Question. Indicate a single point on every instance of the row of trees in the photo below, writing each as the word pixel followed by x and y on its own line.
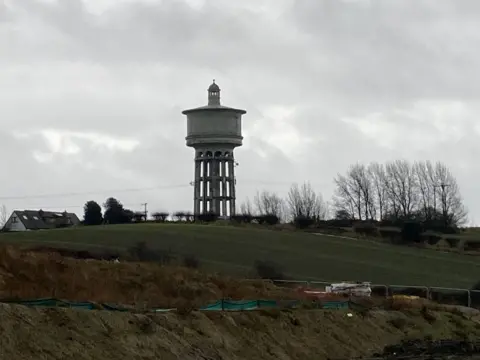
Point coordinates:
pixel 398 191
pixel 391 193
pixel 115 213
pixel 302 201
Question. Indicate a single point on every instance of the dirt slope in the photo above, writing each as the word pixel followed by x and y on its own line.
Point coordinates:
pixel 27 274
pixel 34 333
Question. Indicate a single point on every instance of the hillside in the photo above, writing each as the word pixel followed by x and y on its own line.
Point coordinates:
pixel 35 333
pixel 60 333
pixel 233 250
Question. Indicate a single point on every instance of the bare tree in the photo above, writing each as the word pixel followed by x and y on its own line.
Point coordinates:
pixel 269 203
pixel 3 216
pixel 378 176
pixel 348 197
pixel 304 201
pixel 425 177
pixel 452 210
pixel 355 194
pixel 400 190
pixel 246 208
pixel 401 187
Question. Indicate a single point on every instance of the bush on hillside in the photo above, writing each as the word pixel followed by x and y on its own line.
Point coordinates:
pixel 160 216
pixel 431 238
pixel 142 252
pixel 412 232
pixel 244 218
pixel 269 270
pixel 208 217
pixel 268 219
pixel 365 228
pixel 472 246
pixel 452 241
pixel 179 216
pixel 191 261
pixel 303 222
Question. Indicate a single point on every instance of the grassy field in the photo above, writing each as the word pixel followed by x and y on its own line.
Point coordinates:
pixel 234 250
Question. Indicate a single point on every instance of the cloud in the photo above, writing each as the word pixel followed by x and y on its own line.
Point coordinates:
pixel 96 89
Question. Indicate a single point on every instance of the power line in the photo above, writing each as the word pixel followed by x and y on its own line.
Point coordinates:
pixel 72 206
pixel 22 197
pixel 114 191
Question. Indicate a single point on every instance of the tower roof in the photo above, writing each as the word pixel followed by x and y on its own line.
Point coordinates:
pixel 214 87
pixel 214 102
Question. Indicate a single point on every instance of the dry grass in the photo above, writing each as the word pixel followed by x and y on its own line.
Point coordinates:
pixel 27 274
pixel 30 333
pixel 35 333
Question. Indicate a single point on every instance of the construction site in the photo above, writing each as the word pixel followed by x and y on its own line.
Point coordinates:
pixel 59 307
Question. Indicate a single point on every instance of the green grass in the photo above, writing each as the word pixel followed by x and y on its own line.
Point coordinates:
pixel 303 256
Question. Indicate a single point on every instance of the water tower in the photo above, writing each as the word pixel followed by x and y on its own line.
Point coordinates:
pixel 214 131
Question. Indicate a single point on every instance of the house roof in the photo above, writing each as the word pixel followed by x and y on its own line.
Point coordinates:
pixel 39 219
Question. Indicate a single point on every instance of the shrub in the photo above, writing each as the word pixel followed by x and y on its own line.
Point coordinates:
pixel 179 215
pixel 472 246
pixel 430 238
pixel 141 252
pixel 160 216
pixel 452 241
pixel 244 218
pixel 365 228
pixel 267 219
pixel 412 231
pixel 208 217
pixel 303 222
pixel 269 270
pixel 191 261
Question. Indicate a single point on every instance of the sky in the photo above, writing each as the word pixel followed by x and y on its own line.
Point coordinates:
pixel 91 94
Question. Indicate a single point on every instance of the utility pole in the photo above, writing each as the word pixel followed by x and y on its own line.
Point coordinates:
pixel 145 210
pixel 442 186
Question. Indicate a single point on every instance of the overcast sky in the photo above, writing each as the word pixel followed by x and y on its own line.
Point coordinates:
pixel 91 93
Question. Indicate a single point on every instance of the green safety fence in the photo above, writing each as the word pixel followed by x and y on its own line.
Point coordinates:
pixel 241 305
pixel 221 305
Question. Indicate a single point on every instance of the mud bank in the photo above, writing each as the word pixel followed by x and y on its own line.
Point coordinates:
pixel 40 333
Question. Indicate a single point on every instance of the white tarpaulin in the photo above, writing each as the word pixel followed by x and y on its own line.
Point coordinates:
pixel 357 289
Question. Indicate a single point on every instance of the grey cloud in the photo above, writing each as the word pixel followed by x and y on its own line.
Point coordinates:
pixel 131 70
pixel 395 50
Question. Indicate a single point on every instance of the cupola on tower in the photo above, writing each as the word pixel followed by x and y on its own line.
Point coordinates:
pixel 214 131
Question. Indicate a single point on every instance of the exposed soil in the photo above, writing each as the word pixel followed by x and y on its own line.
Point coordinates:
pixel 28 274
pixel 59 333
pixel 35 333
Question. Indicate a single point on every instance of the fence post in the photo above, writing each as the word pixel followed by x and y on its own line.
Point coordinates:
pixel 222 305
pixel 469 298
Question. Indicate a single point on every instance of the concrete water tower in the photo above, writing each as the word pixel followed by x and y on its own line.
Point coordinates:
pixel 214 131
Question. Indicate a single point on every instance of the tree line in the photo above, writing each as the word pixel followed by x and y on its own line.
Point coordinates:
pixel 390 193
pixel 398 191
